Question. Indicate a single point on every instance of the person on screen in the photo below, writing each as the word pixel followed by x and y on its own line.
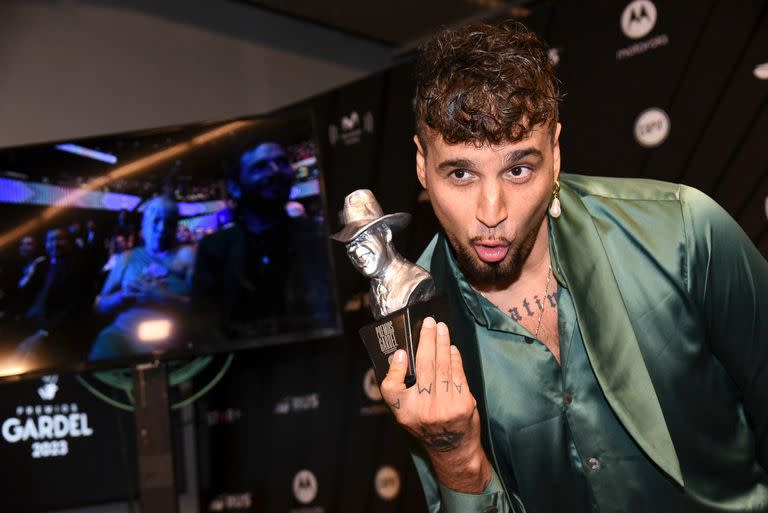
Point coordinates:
pixel 60 303
pixel 147 289
pixel 267 272
pixel 26 278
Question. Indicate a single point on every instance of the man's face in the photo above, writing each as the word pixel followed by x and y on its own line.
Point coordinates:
pixel 57 243
pixel 27 247
pixel 491 201
pixel 268 176
pixel 368 252
pixel 159 227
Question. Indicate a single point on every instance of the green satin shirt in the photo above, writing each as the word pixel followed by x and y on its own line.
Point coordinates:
pixel 661 403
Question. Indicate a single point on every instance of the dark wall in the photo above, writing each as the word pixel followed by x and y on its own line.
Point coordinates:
pixel 694 62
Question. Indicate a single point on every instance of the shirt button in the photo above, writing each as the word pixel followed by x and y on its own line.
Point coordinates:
pixel 593 463
pixel 567 398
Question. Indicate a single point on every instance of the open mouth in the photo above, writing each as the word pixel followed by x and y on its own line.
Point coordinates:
pixel 491 252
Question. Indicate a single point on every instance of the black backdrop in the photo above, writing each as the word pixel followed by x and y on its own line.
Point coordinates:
pixel 691 65
pixel 301 428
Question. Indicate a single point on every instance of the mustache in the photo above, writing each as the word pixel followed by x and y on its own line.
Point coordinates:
pixel 489 238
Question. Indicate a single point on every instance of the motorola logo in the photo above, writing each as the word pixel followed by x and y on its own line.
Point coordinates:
pixel 371 386
pixel 638 19
pixel 305 486
pixel 652 127
pixel 387 483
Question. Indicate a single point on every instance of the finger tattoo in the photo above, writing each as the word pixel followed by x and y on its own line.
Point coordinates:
pixel 396 405
pixel 447 385
pixel 426 389
pixel 458 387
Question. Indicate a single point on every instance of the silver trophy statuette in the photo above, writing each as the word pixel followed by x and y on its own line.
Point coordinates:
pixel 402 293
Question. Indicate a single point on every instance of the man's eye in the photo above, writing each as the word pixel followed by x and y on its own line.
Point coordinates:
pixel 520 172
pixel 460 174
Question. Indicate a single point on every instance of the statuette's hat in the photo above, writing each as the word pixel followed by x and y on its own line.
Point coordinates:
pixel 361 212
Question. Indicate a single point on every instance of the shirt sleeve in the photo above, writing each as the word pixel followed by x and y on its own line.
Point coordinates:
pixel 728 278
pixel 441 499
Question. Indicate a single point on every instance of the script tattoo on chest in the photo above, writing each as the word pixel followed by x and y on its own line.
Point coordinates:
pixel 530 308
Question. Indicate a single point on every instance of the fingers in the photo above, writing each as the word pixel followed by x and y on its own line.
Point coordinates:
pixel 459 380
pixel 443 360
pixel 425 357
pixel 394 382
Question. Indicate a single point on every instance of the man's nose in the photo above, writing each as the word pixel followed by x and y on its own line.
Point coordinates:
pixel 491 207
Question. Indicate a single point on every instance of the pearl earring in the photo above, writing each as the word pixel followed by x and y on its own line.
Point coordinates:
pixel 554 208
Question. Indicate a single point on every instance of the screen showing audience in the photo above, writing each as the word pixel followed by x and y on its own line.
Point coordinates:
pixel 162 243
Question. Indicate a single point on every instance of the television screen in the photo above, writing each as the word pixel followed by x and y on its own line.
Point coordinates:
pixel 163 243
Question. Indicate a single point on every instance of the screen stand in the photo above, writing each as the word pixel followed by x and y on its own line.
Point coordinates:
pixel 157 482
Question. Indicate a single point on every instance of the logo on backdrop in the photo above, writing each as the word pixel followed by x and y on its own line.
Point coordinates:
pixel 223 417
pixel 305 486
pixel 231 502
pixel 373 393
pixel 351 128
pixel 637 21
pixel 652 127
pixel 47 427
pixel 297 403
pixel 554 55
pixel 387 483
pixel 371 386
pixel 761 71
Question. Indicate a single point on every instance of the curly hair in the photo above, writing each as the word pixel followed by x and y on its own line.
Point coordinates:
pixel 485 84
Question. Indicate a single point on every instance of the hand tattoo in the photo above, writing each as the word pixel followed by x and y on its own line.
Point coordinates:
pixel 425 389
pixel 458 386
pixel 441 442
pixel 396 405
pixel 447 385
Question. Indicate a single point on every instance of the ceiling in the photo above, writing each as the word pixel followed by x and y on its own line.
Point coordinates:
pixel 396 23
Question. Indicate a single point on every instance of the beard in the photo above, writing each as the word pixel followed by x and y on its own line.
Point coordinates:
pixel 485 275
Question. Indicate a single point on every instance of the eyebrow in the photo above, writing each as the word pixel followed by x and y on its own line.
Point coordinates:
pixel 517 155
pixel 511 157
pixel 454 163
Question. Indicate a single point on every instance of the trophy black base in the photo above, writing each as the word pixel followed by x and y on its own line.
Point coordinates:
pixel 400 330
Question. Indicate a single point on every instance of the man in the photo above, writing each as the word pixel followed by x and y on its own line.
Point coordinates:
pixel 267 275
pixel 58 306
pixel 149 283
pixel 367 234
pixel 610 337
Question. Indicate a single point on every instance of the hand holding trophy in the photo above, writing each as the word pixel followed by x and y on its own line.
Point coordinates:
pixel 402 294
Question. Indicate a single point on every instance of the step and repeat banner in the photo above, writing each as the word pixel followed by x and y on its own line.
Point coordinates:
pixel 665 90
pixel 661 90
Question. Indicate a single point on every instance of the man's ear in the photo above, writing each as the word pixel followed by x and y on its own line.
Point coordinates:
pixel 421 162
pixel 556 150
pixel 234 189
pixel 387 231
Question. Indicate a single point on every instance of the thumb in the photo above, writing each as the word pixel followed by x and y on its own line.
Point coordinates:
pixel 394 382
